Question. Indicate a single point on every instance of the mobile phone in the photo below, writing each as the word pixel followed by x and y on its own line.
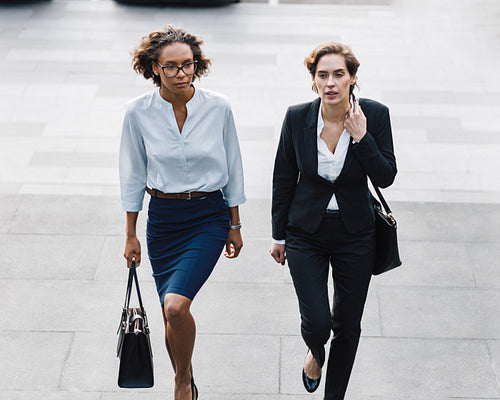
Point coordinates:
pixel 352 104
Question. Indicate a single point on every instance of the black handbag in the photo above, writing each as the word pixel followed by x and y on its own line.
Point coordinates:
pixel 386 239
pixel 134 345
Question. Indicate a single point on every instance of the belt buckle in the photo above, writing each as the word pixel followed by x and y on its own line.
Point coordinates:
pixel 189 196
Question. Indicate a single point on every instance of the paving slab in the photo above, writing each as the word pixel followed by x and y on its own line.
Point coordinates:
pixel 436 313
pixel 33 360
pixel 21 128
pixel 484 261
pixel 45 257
pixel 494 350
pixel 423 367
pixel 213 396
pixel 48 395
pixel 447 222
pixel 68 215
pixel 258 371
pixel 433 264
pixel 269 309
pixel 10 203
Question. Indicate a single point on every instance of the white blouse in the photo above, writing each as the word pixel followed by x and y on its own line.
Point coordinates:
pixel 204 157
pixel 330 164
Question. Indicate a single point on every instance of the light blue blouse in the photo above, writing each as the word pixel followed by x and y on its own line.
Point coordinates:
pixel 204 157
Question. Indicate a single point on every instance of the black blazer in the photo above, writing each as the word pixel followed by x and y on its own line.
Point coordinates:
pixel 300 195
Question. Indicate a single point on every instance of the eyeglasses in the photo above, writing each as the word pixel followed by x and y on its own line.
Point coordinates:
pixel 171 71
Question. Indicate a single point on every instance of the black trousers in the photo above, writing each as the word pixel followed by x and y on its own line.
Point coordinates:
pixel 352 257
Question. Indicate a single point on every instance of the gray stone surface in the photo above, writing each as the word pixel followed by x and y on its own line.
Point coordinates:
pixel 33 360
pixel 432 263
pixel 248 351
pixel 430 329
pixel 74 159
pixel 271 309
pixel 454 313
pixel 21 128
pixel 49 395
pixel 10 203
pixel 423 368
pixel 456 222
pixel 49 257
pixel 484 260
pixel 67 215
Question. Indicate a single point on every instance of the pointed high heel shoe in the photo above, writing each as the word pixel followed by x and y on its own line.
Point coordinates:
pixel 310 384
pixel 194 390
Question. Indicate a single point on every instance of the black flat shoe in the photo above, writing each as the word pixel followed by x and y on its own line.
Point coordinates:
pixel 310 384
pixel 194 390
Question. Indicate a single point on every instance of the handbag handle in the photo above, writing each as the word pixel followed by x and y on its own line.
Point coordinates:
pixel 132 276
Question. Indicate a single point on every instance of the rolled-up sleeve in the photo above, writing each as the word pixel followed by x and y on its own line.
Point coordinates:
pixel 233 191
pixel 132 166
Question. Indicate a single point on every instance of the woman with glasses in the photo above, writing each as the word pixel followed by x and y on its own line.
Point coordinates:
pixel 179 144
pixel 322 212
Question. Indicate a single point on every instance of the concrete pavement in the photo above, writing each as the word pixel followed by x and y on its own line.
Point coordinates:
pixel 431 329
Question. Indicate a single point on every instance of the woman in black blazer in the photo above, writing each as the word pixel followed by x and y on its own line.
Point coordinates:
pixel 322 209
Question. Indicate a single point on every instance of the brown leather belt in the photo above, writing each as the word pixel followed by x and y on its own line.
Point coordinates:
pixel 175 196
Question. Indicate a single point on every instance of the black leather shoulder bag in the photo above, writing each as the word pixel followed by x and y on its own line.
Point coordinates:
pixel 387 250
pixel 134 345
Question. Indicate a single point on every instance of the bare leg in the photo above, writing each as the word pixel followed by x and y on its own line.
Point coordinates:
pixel 167 344
pixel 311 367
pixel 180 337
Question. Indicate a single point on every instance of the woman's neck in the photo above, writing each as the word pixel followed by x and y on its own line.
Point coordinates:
pixel 177 100
pixel 334 114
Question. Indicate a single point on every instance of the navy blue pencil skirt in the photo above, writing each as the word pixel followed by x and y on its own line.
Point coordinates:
pixel 185 239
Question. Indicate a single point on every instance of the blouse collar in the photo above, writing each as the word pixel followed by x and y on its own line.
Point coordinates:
pixel 192 101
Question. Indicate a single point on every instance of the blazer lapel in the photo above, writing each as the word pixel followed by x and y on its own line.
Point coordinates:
pixel 347 162
pixel 310 136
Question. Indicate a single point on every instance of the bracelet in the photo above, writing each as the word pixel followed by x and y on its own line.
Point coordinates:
pixel 235 226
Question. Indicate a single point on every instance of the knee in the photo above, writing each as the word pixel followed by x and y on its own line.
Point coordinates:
pixel 175 311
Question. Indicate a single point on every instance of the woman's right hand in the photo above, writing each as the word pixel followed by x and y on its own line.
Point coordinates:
pixel 132 250
pixel 278 253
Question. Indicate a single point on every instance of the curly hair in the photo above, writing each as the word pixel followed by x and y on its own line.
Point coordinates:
pixel 351 62
pixel 151 46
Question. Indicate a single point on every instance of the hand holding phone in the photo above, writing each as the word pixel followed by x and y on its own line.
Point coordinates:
pixel 355 122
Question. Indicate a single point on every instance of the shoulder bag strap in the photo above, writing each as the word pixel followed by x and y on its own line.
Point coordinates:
pixel 382 200
pixel 386 207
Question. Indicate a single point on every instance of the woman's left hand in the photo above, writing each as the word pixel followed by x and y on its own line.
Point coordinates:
pixel 355 123
pixel 234 243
